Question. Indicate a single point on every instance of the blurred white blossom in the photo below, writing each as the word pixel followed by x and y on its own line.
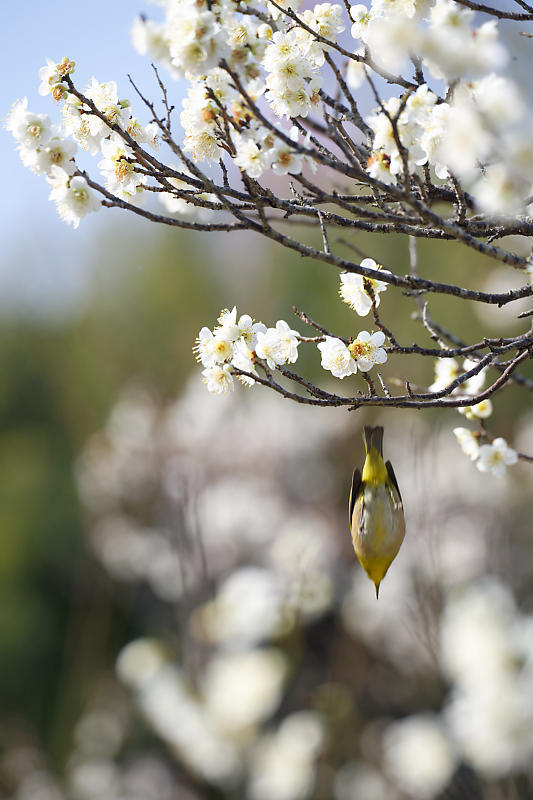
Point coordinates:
pixel 419 755
pixel 283 763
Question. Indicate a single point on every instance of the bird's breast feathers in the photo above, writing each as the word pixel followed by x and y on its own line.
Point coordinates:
pixel 378 525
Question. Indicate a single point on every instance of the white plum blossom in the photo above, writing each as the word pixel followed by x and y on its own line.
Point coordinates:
pixel 251 157
pixel 361 17
pixel 498 190
pixel 465 140
pixel 390 38
pixel 118 168
pixel 336 357
pixel 197 41
pixel 453 49
pixel 231 328
pixel 294 101
pixel 476 382
pixel 496 457
pixel 275 13
pixel 327 20
pixel 278 345
pixel 242 688
pixel 221 347
pixel 218 378
pixel 283 762
pixel 214 348
pixel 243 358
pixel 148 37
pixel 284 159
pixel 468 443
pixel 147 134
pixel 356 72
pixel 52 75
pixel 367 351
pixel 76 123
pixel 58 152
pixel 199 119
pixel 378 167
pixel 247 608
pixel 29 129
pixel 290 72
pixel 203 348
pixel 486 651
pixel 249 330
pixel 105 97
pixel 73 196
pixel 49 77
pixel 493 458
pixel 393 8
pixel 231 344
pixel 419 129
pixel 481 410
pixel 282 48
pixel 203 145
pixel 446 371
pixel 292 82
pixel 356 290
pixel 227 324
pixel 419 755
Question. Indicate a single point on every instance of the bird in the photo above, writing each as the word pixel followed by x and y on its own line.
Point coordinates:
pixel 376 515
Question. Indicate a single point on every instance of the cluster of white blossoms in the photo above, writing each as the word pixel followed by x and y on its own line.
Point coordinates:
pixel 249 730
pixel 440 33
pixel 252 73
pixel 420 123
pixel 364 352
pixel 271 561
pixel 447 370
pixel 480 133
pixel 493 458
pixel 293 60
pixel 238 344
pixel 43 149
pixel 281 64
pixel 218 730
pixel 256 147
pixel 481 137
pixel 47 149
pixel 486 652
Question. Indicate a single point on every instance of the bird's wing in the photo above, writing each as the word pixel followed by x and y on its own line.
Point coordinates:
pixel 354 493
pixel 392 476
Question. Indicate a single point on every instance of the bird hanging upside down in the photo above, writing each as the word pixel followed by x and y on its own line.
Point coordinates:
pixel 376 510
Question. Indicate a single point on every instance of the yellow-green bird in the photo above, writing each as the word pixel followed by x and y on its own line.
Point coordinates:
pixel 376 510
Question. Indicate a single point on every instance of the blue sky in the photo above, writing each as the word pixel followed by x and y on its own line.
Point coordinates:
pixel 96 36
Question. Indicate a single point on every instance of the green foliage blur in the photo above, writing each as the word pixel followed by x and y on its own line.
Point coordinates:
pixel 60 620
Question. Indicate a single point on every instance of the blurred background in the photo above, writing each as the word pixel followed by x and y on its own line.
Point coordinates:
pixel 181 613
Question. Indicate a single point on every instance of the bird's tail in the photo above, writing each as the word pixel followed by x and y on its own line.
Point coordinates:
pixel 373 437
